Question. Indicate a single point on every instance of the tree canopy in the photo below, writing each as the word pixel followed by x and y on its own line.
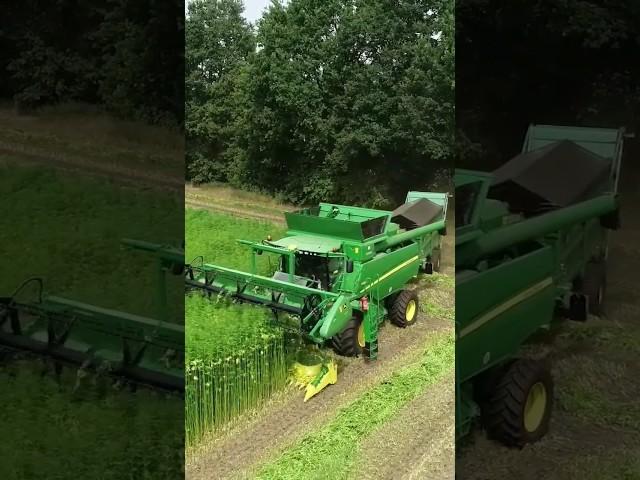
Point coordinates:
pixel 126 55
pixel 543 61
pixel 344 99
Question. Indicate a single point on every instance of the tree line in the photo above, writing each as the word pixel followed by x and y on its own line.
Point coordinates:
pixel 348 100
pixel 542 61
pixel 126 56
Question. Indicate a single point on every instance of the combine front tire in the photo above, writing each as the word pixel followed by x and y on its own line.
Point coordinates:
pixel 350 342
pixel 519 410
pixel 404 309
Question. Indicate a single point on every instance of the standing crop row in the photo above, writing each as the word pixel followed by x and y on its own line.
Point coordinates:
pixel 235 357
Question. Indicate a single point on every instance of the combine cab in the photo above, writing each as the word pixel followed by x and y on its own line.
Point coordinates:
pixel 341 271
pixel 531 246
pixel 137 349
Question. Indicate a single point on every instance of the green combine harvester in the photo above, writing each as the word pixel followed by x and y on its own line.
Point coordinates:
pixel 341 271
pixel 137 349
pixel 531 247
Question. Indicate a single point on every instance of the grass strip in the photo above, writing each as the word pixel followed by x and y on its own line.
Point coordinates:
pixel 215 237
pixel 331 451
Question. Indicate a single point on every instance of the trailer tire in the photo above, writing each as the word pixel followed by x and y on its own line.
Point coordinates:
pixel 435 260
pixel 519 410
pixel 594 285
pixel 350 342
pixel 404 309
pixel 432 262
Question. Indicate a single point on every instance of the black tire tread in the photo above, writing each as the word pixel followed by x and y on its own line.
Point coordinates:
pixel 346 342
pixel 504 410
pixel 399 307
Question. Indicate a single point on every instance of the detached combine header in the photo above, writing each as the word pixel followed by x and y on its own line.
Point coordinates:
pixel 531 246
pixel 139 349
pixel 341 271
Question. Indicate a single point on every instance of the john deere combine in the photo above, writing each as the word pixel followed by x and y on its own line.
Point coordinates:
pixel 531 246
pixel 139 349
pixel 341 271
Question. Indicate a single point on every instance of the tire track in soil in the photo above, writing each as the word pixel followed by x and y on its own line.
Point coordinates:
pixel 129 176
pixel 421 438
pixel 564 451
pixel 236 212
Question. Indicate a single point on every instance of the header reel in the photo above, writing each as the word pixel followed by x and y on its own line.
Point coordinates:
pixel 134 348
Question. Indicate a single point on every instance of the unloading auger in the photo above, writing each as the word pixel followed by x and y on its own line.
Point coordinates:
pixel 341 271
pixel 142 350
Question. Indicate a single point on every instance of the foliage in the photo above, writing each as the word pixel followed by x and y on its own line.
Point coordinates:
pixel 336 90
pixel 219 41
pixel 67 230
pixel 235 358
pixel 57 434
pixel 569 62
pixel 124 54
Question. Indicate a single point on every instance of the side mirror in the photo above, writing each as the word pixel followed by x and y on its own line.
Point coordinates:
pixel 349 266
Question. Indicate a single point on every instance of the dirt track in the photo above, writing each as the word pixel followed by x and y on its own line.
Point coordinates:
pixel 236 212
pixel 118 173
pixel 421 436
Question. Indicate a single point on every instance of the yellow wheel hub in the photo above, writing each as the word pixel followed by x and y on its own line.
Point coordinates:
pixel 361 335
pixel 535 407
pixel 410 314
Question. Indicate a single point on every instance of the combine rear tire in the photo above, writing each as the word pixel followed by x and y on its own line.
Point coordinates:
pixel 594 285
pixel 350 342
pixel 519 410
pixel 404 309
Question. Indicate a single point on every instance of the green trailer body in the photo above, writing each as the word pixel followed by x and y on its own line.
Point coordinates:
pixel 142 350
pixel 337 263
pixel 515 275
